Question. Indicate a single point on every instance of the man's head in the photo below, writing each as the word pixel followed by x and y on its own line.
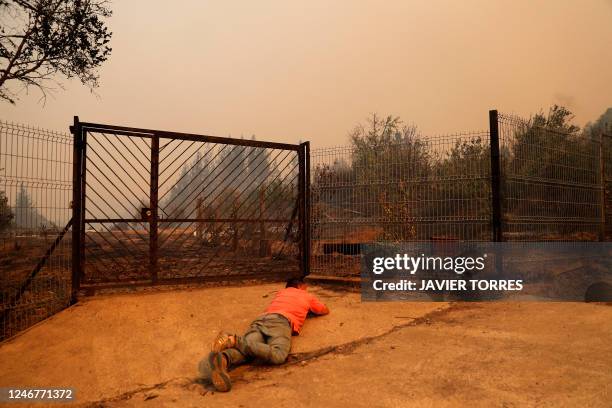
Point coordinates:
pixel 297 283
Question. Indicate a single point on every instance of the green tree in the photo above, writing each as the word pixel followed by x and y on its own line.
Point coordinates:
pixel 391 164
pixel 383 181
pixel 602 124
pixel 545 162
pixel 463 175
pixel 24 210
pixel 6 214
pixel 540 146
pixel 594 130
pixel 26 214
pixel 258 165
pixel 41 38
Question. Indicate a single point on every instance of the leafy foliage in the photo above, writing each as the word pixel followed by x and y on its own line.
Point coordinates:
pixel 6 214
pixel 550 172
pixel 602 124
pixel 400 180
pixel 40 38
pixel 229 182
pixel 26 214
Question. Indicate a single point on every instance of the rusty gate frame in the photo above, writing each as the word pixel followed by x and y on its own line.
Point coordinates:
pixel 80 129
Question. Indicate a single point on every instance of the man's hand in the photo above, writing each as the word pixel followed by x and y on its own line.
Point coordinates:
pixel 317 307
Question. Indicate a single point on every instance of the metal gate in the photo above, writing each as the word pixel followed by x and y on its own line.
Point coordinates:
pixel 155 207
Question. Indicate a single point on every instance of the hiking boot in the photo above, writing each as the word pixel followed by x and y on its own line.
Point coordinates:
pixel 219 376
pixel 223 341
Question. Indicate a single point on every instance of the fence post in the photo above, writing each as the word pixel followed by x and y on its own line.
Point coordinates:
pixel 301 206
pixel 602 172
pixel 199 216
pixel 153 224
pixel 304 192
pixel 234 221
pixel 496 205
pixel 77 132
pixel 264 246
pixel 214 235
pixel 307 210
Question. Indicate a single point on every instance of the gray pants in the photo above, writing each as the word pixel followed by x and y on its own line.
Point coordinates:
pixel 268 339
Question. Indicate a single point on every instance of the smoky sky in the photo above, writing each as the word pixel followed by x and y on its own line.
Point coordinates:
pixel 289 71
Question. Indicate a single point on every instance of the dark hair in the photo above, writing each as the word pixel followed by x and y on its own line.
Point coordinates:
pixel 294 282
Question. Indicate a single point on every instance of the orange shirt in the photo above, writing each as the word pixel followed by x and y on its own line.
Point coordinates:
pixel 294 304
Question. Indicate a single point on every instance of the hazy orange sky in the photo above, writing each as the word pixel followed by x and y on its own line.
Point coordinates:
pixel 311 70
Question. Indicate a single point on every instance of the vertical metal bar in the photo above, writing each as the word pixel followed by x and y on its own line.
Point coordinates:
pixel 154 210
pixel 82 257
pixel 76 208
pixel 199 215
pixel 263 243
pixel 234 216
pixel 301 209
pixel 307 246
pixel 496 205
pixel 602 173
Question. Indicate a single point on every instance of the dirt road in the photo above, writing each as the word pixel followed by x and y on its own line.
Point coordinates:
pixel 110 345
pixel 139 350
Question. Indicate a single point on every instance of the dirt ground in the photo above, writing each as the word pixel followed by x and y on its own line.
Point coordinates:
pixel 142 349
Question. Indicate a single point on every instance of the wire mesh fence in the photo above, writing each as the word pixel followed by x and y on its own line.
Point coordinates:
pixel 552 188
pixel 35 192
pixel 606 163
pixel 236 207
pixel 551 182
pixel 423 188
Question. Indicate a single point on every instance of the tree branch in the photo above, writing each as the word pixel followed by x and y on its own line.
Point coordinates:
pixel 18 51
pixel 67 37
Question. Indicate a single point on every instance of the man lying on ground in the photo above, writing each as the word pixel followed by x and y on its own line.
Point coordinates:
pixel 268 338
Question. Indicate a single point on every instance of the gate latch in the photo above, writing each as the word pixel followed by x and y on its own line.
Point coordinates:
pixel 145 214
